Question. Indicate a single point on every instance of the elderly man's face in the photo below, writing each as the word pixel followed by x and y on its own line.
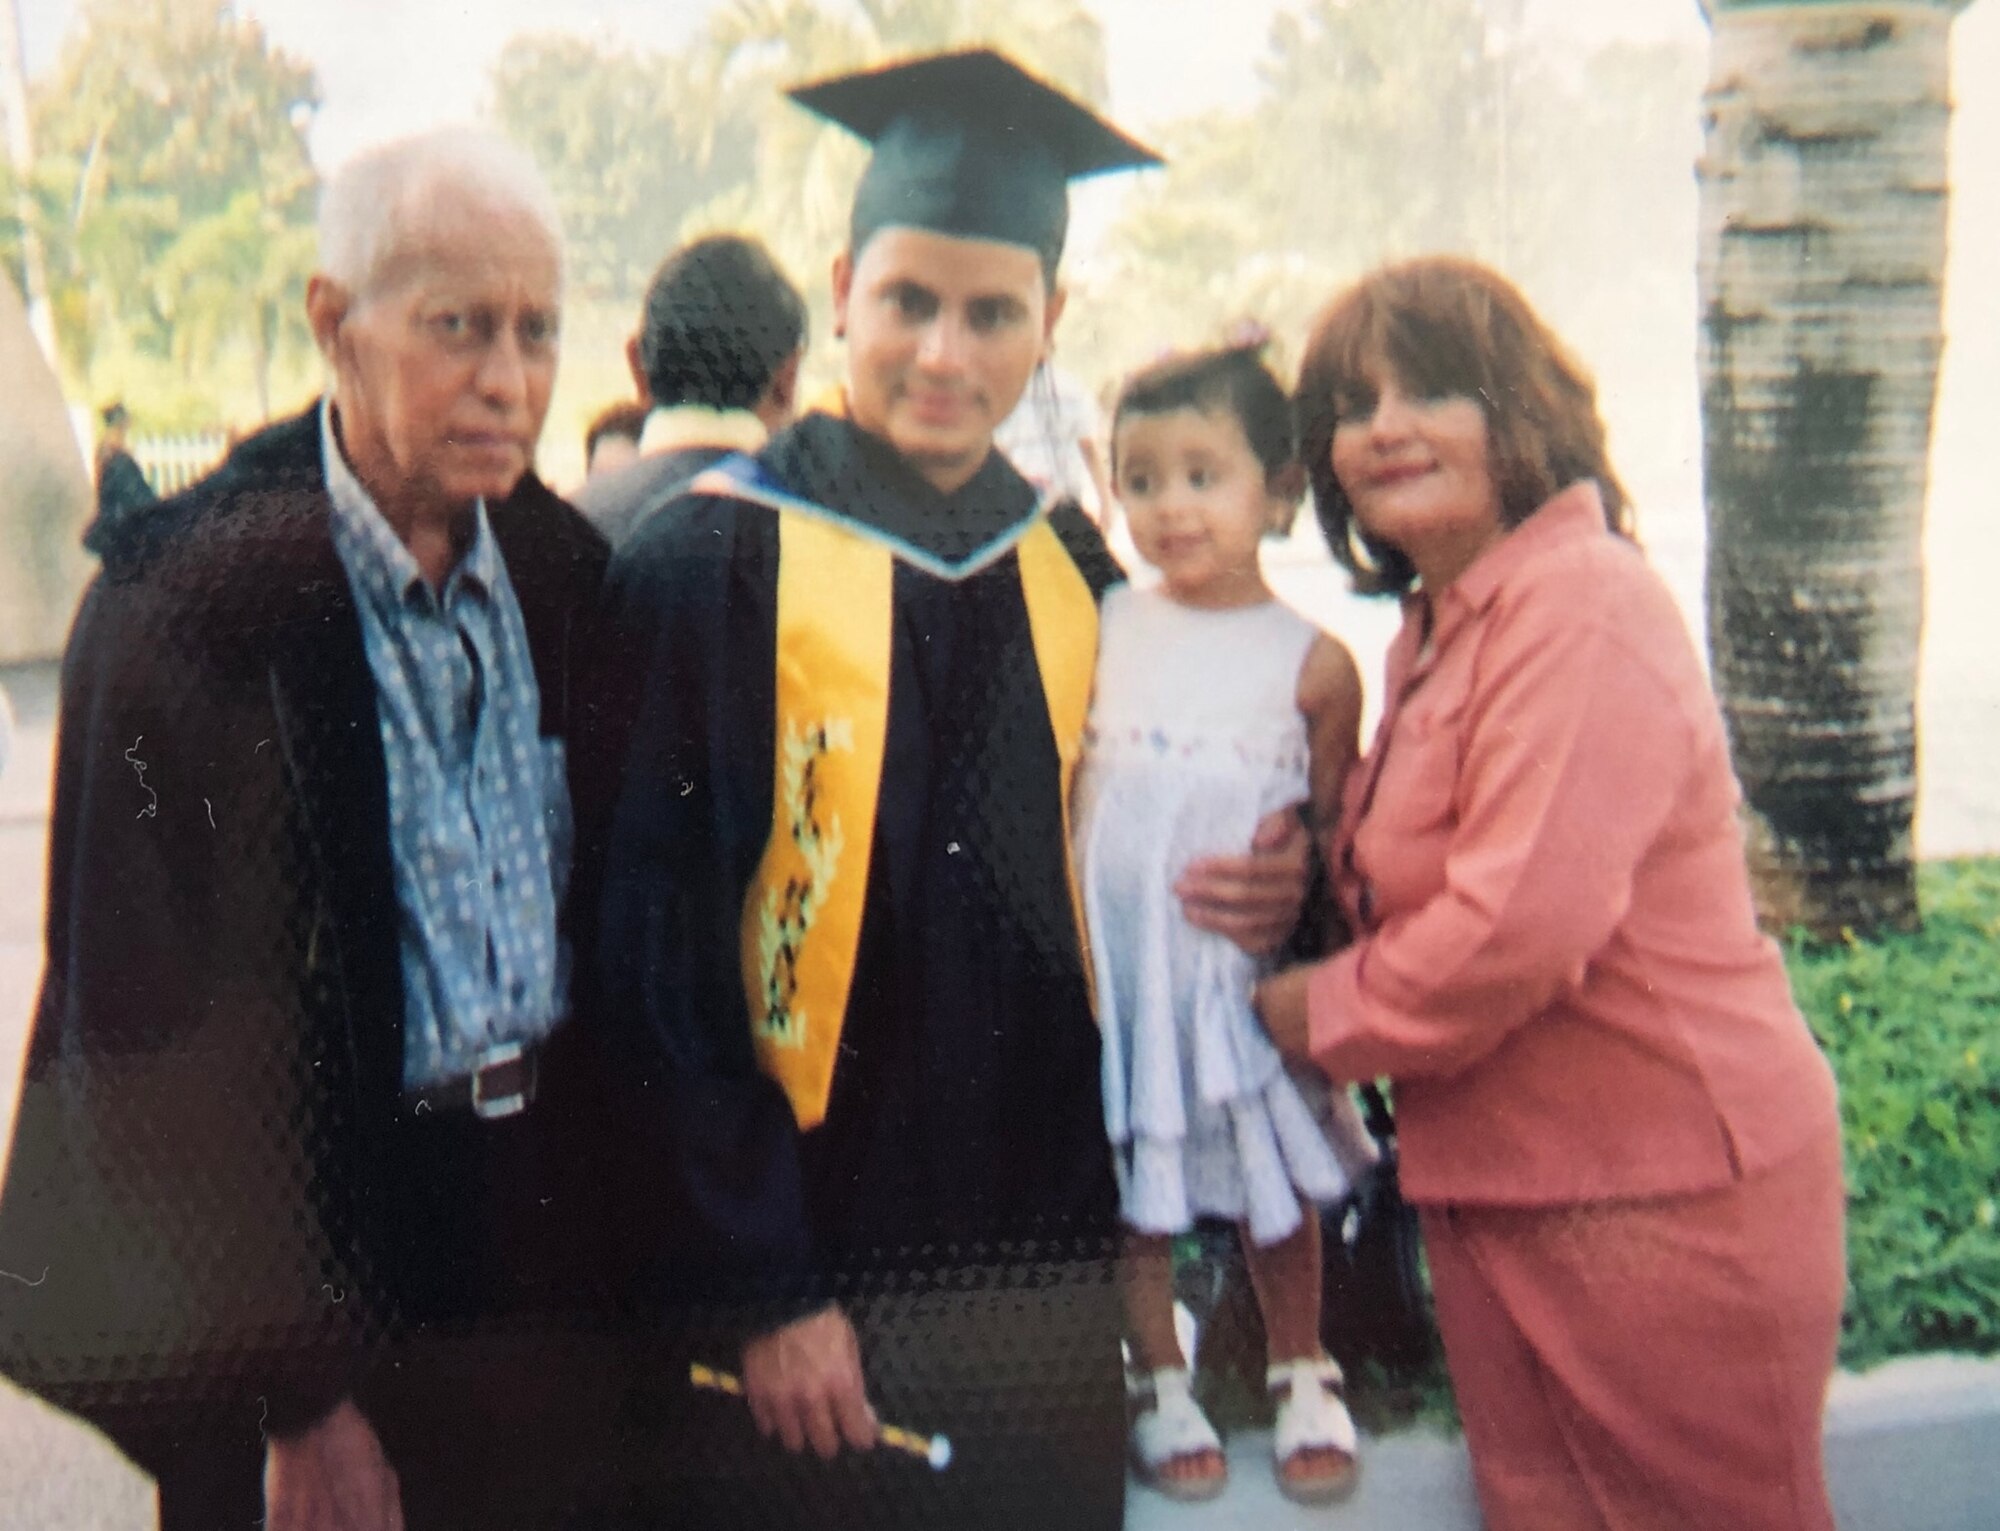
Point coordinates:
pixel 442 374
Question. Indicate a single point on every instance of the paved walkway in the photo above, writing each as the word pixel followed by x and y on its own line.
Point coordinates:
pixel 1412 1481
pixel 1914 1446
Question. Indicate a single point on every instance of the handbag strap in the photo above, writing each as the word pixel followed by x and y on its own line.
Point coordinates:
pixel 1375 1113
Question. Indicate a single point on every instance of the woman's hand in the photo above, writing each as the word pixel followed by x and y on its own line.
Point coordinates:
pixel 1253 899
pixel 1280 1002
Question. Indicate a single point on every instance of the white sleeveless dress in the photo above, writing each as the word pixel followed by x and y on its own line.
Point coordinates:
pixel 1194 736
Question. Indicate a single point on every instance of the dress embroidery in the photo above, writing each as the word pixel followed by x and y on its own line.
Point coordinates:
pixel 1195 735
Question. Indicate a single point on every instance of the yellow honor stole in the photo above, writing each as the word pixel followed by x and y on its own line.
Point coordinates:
pixel 802 914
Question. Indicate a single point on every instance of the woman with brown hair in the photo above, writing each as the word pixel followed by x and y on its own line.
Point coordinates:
pixel 1620 1134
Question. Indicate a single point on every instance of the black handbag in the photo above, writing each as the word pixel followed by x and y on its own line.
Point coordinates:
pixel 1375 1302
pixel 1375 1307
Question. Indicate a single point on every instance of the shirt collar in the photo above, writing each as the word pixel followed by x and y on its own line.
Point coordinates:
pixel 670 428
pixel 1570 515
pixel 373 551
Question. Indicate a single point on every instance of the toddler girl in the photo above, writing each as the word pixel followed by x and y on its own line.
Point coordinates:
pixel 1214 705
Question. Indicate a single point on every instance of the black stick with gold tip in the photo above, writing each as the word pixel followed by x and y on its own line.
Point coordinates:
pixel 934 1449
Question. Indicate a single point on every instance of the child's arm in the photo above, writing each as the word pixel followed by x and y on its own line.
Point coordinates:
pixel 1329 699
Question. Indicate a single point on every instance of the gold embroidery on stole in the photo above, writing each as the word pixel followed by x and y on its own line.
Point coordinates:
pixel 802 914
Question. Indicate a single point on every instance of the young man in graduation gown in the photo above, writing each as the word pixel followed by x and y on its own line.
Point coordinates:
pixel 302 1170
pixel 846 684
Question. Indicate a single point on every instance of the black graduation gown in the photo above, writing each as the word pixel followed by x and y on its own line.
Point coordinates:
pixel 958 1198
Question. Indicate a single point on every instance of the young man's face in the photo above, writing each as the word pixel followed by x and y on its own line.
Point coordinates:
pixel 942 337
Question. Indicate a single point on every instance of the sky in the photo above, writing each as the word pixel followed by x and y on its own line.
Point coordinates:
pixel 392 66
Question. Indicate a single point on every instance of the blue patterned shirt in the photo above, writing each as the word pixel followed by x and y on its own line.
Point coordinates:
pixel 479 813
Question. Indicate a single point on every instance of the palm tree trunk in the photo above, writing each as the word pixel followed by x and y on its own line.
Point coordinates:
pixel 1822 247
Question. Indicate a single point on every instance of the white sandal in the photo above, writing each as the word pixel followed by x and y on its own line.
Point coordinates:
pixel 1169 1427
pixel 1312 1417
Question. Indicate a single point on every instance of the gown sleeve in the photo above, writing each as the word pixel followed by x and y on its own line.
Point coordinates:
pixel 1086 545
pixel 679 765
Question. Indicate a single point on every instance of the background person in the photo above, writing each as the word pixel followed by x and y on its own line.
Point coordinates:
pixel 122 490
pixel 1621 1135
pixel 717 355
pixel 1054 436
pixel 294 1153
pixel 1214 705
pixel 844 679
pixel 611 441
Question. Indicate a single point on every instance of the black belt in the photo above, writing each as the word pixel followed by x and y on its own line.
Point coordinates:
pixel 501 1084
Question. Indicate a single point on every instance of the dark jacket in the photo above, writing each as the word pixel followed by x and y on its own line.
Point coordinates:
pixel 202 1191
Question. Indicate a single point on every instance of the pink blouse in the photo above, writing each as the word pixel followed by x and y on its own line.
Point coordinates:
pixel 1559 962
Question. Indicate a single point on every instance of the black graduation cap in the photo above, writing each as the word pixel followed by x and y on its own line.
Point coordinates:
pixel 969 144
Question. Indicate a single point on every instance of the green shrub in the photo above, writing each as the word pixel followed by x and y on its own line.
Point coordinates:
pixel 1912 1023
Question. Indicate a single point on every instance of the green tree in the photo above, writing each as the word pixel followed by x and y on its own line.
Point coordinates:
pixel 1380 129
pixel 802 172
pixel 1824 195
pixel 171 184
pixel 625 157
pixel 235 274
pixel 647 151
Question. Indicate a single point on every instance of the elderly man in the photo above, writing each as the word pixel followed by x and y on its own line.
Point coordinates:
pixel 838 933
pixel 718 354
pixel 290 1192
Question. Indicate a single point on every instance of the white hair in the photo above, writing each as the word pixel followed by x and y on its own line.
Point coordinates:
pixel 377 204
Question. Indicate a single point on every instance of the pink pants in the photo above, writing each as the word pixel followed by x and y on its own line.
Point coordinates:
pixel 1650 1364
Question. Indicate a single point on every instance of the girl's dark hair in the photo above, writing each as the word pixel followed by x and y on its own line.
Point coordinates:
pixel 1232 379
pixel 1438 326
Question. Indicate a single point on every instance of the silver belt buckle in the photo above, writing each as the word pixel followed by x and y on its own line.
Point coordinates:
pixel 489 1108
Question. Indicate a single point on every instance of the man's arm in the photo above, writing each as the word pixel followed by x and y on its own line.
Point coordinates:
pixel 680 758
pixel 678 755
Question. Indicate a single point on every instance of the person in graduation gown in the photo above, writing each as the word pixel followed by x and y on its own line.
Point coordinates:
pixel 122 491
pixel 837 939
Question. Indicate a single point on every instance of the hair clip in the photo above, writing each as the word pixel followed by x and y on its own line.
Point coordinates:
pixel 1246 335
